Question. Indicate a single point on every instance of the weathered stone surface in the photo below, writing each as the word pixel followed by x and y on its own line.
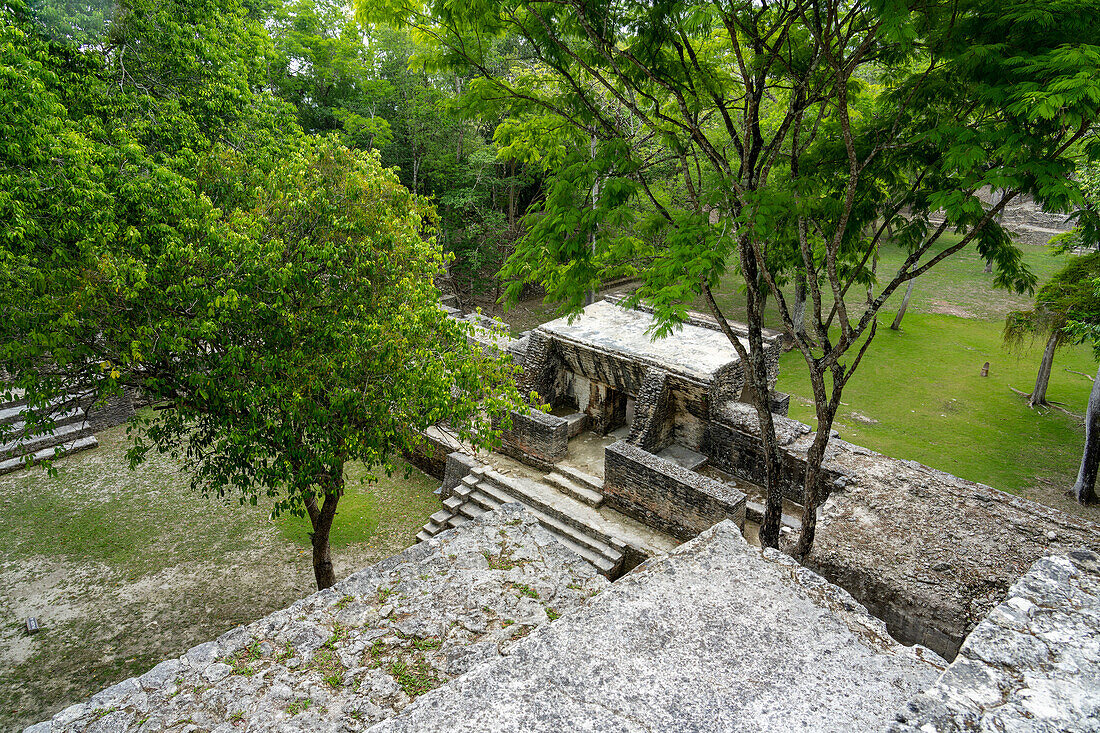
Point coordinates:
pixel 357 653
pixel 717 636
pixel 1032 665
pixel 665 495
pixel 928 552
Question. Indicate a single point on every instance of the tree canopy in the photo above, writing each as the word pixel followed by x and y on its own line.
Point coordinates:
pixel 780 139
pixel 165 224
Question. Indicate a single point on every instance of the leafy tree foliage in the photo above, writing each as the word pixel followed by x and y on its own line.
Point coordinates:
pixel 1070 296
pixel 682 140
pixel 165 225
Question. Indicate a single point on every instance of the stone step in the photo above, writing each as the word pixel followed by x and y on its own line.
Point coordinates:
pixel 454 502
pixel 12 412
pixel 489 497
pixel 456 521
pixel 754 512
pixel 577 423
pixel 546 499
pixel 75 446
pixel 423 536
pixel 578 492
pixel 441 516
pixel 689 459
pixel 59 420
pixel 577 476
pixel 63 434
pixel 471 510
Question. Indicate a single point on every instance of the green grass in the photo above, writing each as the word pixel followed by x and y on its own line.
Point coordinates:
pixel 923 385
pixel 365 500
pixel 956 286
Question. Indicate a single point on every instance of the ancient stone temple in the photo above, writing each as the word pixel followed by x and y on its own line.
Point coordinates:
pixel 599 574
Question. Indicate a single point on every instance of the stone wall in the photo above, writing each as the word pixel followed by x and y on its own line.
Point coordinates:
pixel 1032 665
pixel 931 553
pixel 115 410
pixel 430 455
pixel 664 495
pixel 652 427
pixel 732 443
pixel 537 438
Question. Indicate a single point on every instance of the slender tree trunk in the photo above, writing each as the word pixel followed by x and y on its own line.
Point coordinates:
pixel 757 383
pixel 1085 488
pixel 590 295
pixel 321 518
pixel 798 313
pixel 1039 394
pixel 812 495
pixel 904 304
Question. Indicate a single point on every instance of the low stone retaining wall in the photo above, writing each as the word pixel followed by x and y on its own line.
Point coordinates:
pixel 732 443
pixel 537 438
pixel 665 495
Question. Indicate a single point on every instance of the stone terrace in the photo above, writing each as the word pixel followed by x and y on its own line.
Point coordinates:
pixel 716 636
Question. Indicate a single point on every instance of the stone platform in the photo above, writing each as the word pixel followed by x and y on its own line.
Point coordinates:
pixel 353 655
pixel 1031 665
pixel 716 636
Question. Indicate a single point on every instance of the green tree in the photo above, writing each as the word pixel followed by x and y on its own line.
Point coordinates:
pixel 782 131
pixel 1070 296
pixel 272 292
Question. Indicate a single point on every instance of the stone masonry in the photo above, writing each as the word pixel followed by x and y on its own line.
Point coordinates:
pixel 717 636
pixel 1032 665
pixel 357 653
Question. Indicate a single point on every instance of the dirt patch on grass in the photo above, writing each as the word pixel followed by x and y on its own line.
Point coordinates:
pixel 124 569
pixel 947 309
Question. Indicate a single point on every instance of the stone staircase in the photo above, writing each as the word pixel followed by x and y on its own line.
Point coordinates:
pixel 566 503
pixel 71 434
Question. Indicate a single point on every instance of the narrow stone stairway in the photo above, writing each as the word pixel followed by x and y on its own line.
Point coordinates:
pixel 566 503
pixel 71 434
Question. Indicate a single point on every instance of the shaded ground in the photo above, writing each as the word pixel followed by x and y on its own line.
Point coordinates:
pixel 124 569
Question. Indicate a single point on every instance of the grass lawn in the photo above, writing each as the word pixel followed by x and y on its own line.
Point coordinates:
pixel 125 568
pixel 923 386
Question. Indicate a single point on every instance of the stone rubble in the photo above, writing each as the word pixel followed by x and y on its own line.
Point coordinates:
pixel 360 652
pixel 1032 665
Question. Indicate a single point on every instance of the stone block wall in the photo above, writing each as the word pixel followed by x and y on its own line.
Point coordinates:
pixel 537 438
pixel 430 455
pixel 457 467
pixel 652 426
pixel 540 367
pixel 732 443
pixel 117 409
pixel 664 495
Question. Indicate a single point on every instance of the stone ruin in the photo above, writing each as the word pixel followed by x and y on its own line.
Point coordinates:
pixel 645 471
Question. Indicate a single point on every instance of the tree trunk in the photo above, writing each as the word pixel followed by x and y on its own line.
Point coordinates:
pixel 1085 488
pixel 590 294
pixel 812 495
pixel 904 304
pixel 321 519
pixel 757 382
pixel 798 314
pixel 1039 394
